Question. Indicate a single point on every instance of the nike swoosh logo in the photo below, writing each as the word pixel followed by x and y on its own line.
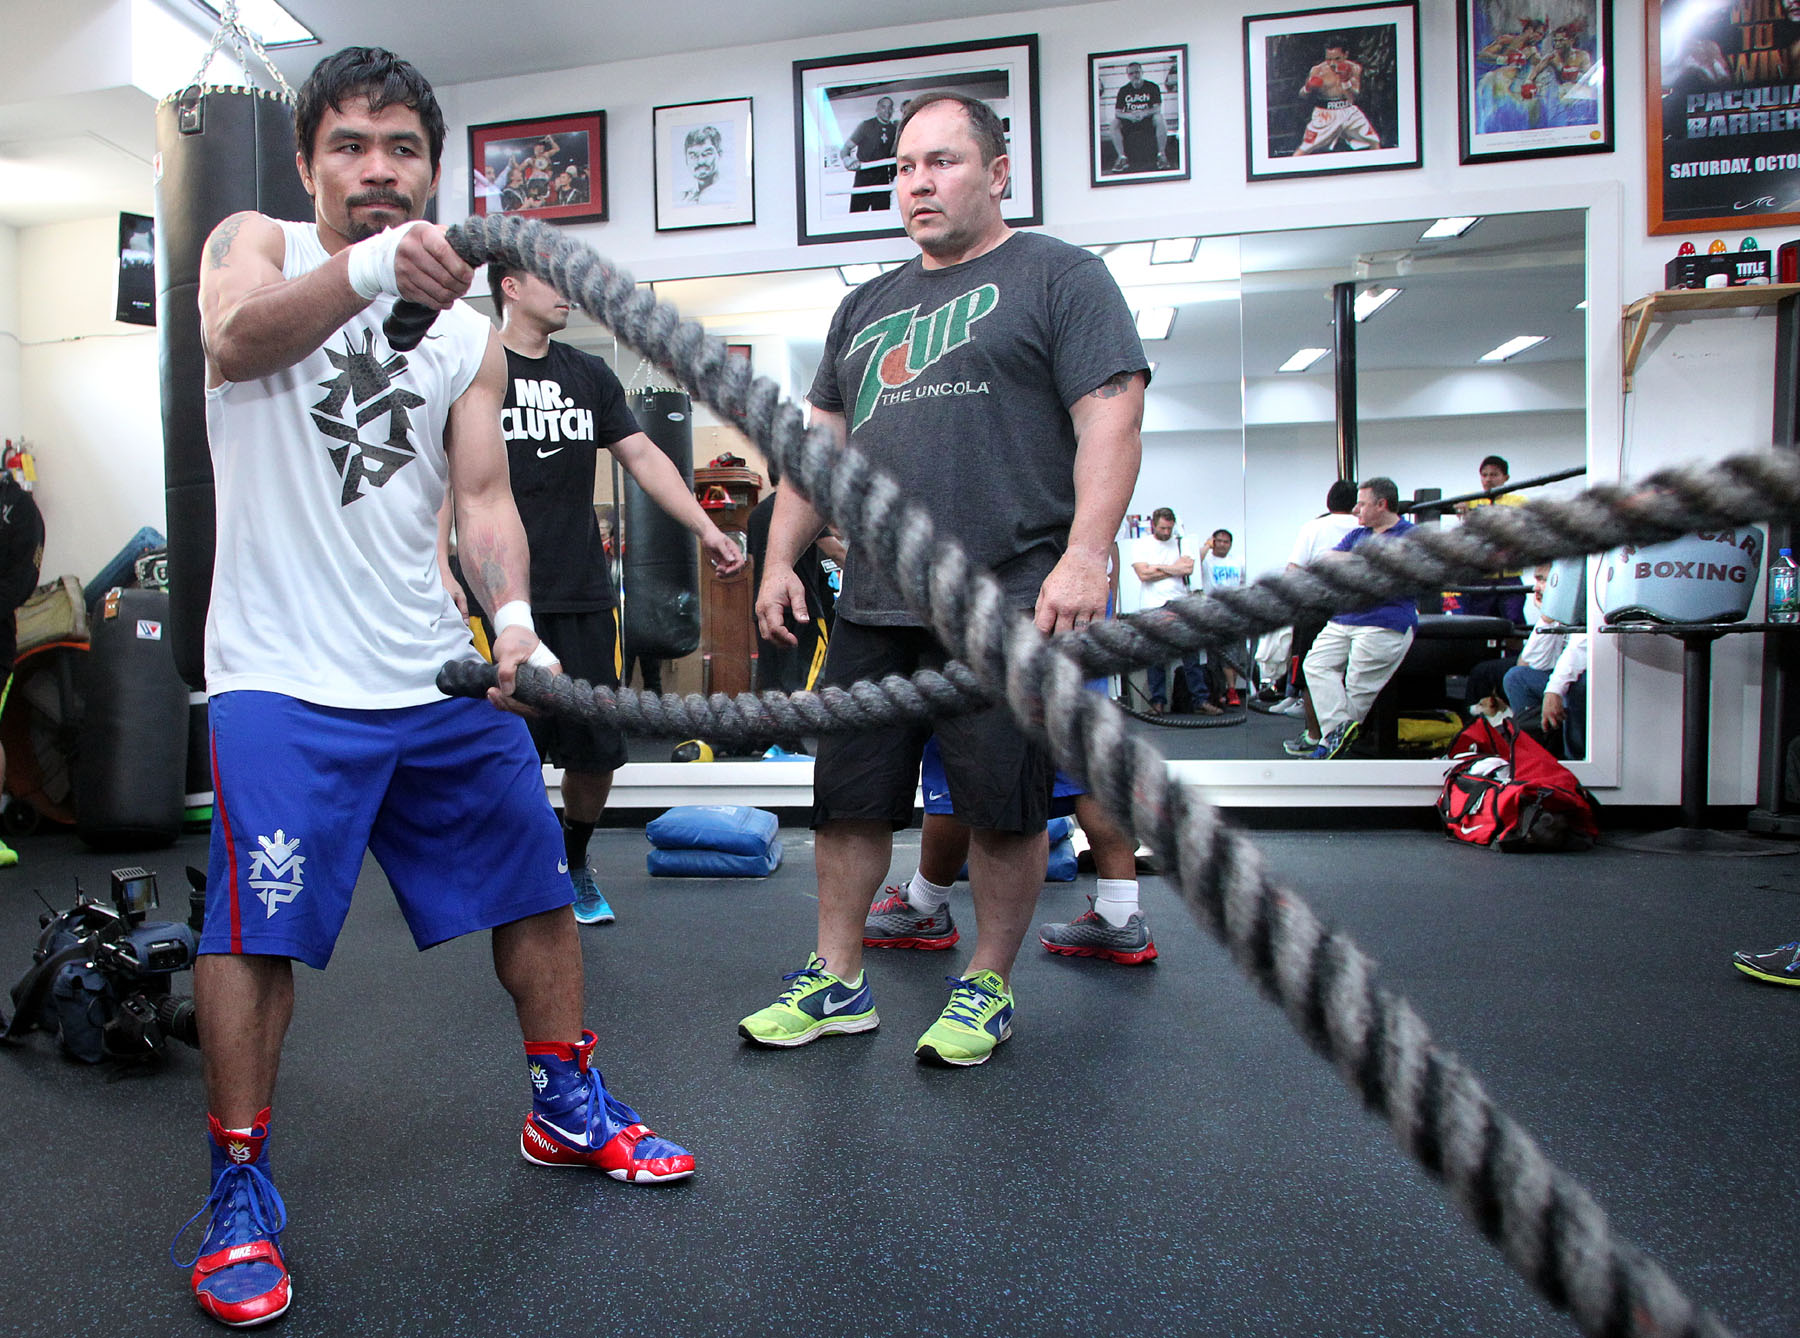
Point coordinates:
pixel 562 866
pixel 829 1007
pixel 545 455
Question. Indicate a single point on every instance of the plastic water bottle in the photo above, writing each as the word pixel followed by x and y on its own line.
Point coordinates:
pixel 1784 589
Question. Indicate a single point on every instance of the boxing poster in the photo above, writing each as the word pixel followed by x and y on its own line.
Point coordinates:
pixel 1723 86
pixel 1332 90
pixel 1534 84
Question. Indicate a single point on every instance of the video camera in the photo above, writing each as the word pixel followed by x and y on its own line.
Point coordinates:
pixel 101 973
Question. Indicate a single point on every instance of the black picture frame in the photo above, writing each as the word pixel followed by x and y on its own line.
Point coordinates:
pixel 136 299
pixel 1300 119
pixel 1532 88
pixel 837 98
pixel 704 162
pixel 509 159
pixel 1711 166
pixel 1115 139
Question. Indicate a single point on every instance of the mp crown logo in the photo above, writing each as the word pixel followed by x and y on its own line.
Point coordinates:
pixel 361 392
pixel 276 871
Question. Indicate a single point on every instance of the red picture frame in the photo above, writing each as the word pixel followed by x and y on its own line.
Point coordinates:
pixel 546 167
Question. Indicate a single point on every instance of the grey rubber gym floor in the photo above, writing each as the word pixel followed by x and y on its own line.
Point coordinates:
pixel 1154 1152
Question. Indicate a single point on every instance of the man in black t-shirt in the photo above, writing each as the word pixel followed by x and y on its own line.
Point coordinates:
pixel 999 379
pixel 562 407
pixel 1137 116
pixel 873 142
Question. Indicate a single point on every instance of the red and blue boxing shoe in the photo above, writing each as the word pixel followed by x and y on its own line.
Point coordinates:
pixel 575 1121
pixel 239 1277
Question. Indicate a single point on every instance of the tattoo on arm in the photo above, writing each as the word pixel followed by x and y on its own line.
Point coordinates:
pixel 221 242
pixel 1116 384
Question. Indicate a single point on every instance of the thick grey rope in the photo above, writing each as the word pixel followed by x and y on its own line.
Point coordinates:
pixel 1543 1222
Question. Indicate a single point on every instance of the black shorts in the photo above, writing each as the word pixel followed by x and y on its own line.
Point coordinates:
pixel 999 779
pixel 586 643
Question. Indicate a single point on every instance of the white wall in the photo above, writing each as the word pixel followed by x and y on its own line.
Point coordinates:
pixel 11 419
pixel 91 397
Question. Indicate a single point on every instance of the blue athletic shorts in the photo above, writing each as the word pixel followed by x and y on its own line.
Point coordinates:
pixel 448 795
pixel 935 787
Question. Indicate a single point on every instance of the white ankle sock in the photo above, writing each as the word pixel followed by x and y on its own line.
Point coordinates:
pixel 926 896
pixel 1116 899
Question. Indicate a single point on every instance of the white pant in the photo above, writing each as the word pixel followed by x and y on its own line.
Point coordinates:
pixel 1347 668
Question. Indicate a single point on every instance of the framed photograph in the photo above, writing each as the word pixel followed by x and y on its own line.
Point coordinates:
pixel 550 167
pixel 847 112
pixel 1534 86
pixel 136 303
pixel 1138 116
pixel 1722 142
pixel 705 168
pixel 1332 90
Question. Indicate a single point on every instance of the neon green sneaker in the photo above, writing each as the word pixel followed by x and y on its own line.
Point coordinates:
pixel 815 1003
pixel 8 856
pixel 977 1018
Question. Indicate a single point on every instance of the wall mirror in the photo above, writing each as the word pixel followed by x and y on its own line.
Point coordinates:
pixel 1234 441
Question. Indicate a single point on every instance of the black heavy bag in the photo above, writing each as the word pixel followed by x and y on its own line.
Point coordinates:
pixel 131 764
pixel 219 151
pixel 662 561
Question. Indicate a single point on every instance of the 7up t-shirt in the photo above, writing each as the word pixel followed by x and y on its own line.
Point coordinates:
pixel 958 383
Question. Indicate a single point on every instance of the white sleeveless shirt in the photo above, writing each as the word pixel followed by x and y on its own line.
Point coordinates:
pixel 329 475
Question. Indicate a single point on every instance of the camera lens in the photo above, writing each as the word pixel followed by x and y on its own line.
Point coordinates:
pixel 175 1015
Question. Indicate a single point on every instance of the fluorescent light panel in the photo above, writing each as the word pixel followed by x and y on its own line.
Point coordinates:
pixel 1371 300
pixel 1174 250
pixel 272 24
pixel 1302 359
pixel 1154 322
pixel 1516 345
pixel 855 274
pixel 1447 227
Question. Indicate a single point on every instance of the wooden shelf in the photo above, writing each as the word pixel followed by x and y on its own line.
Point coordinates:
pixel 1640 313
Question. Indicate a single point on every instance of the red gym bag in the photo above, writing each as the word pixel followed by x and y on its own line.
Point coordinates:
pixel 1506 792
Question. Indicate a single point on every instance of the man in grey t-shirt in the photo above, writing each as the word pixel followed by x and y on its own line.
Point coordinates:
pixel 998 378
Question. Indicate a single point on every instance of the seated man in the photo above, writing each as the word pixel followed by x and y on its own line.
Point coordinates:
pixel 1357 653
pixel 1552 703
pixel 1163 571
pixel 1486 694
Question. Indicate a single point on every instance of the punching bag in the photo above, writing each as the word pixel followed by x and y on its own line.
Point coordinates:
pixel 131 768
pixel 661 559
pixel 218 151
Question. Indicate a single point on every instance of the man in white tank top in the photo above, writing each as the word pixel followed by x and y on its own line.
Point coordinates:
pixel 332 452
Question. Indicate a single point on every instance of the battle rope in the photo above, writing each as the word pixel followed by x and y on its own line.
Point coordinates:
pixel 1543 1222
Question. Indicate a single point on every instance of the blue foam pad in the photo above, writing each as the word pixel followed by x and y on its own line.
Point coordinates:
pixel 732 828
pixel 714 863
pixel 1061 868
pixel 1059 829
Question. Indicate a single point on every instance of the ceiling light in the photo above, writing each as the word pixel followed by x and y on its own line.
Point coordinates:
pixel 1447 227
pixel 1517 344
pixel 272 25
pixel 1154 322
pixel 855 274
pixel 1581 305
pixel 1371 300
pixel 1174 250
pixel 1302 359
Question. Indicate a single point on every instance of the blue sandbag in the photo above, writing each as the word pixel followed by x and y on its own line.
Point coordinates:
pixel 717 864
pixel 1058 829
pixel 1061 868
pixel 732 828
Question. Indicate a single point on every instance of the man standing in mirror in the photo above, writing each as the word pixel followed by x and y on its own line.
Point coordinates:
pixel 999 380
